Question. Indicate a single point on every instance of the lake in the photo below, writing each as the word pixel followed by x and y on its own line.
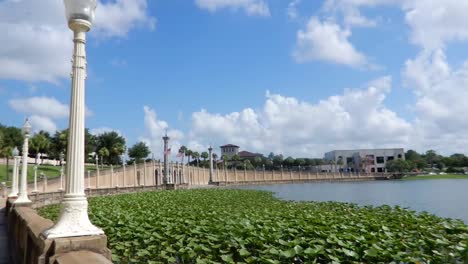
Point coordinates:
pixel 445 197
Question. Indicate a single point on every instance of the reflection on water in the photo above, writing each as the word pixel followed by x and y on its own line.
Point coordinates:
pixel 445 198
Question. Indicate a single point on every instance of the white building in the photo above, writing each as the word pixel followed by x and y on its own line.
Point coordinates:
pixel 364 160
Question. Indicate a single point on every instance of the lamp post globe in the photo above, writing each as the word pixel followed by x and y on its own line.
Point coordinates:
pixel 26 128
pixel 80 12
pixel 74 220
pixel 15 152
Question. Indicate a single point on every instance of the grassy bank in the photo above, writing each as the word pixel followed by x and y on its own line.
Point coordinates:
pixel 228 226
pixel 49 170
pixel 434 177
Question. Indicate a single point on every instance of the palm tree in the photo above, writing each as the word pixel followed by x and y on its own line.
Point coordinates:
pixel 183 151
pixel 204 155
pixel 235 158
pixel 188 153
pixel 39 143
pixel 196 155
pixel 103 152
pixel 225 160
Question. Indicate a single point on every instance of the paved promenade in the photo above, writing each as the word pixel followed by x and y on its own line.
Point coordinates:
pixel 3 234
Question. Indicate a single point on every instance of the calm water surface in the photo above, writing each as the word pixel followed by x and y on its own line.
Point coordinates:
pixel 445 198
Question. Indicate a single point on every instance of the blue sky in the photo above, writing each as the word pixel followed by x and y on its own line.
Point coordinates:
pixel 296 77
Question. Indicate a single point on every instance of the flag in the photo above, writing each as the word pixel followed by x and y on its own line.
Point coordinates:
pixel 167 152
pixel 180 154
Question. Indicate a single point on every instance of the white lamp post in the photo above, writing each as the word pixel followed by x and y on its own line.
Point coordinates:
pixel 62 156
pixel 35 180
pixel 123 168
pixel 14 183
pixel 23 192
pixel 73 219
pixel 97 170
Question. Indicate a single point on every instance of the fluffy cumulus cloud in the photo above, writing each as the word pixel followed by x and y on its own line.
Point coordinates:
pixel 37 46
pixel 43 111
pixel 155 130
pixel 44 123
pixel 101 130
pixel 42 106
pixel 117 18
pixel 327 41
pixel 433 23
pixel 357 118
pixel 250 7
pixel 440 100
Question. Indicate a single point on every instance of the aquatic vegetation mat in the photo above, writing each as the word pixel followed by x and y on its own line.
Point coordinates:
pixel 240 226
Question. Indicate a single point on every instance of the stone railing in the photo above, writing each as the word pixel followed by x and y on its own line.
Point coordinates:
pixel 27 245
pixel 151 174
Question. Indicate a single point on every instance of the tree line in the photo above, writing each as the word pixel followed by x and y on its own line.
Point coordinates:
pixel 109 146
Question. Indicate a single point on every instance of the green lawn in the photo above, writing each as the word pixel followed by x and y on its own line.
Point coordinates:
pixel 435 177
pixel 238 226
pixel 49 170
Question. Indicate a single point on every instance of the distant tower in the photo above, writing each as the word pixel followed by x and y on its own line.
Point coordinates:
pixel 210 150
pixel 166 154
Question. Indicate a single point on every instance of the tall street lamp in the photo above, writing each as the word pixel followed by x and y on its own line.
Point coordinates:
pixel 23 192
pixel 14 184
pixel 210 150
pixel 62 157
pixel 73 220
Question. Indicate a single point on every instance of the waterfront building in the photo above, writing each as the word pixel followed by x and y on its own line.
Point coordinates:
pixel 364 160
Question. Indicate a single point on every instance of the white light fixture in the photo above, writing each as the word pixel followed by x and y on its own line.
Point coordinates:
pixel 73 220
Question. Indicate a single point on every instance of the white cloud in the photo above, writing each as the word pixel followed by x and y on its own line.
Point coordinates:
pixel 327 41
pixel 43 111
pixel 154 131
pixel 43 106
pixel 117 18
pixel 358 118
pixel 250 7
pixel 292 11
pixel 39 123
pixel 433 23
pixel 349 11
pixel 101 130
pixel 37 46
pixel 440 100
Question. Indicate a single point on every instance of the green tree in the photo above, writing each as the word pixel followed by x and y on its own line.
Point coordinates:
pixel 139 151
pixel 103 153
pixel 412 155
pixel 40 143
pixel 113 142
pixel 188 154
pixel 215 156
pixel 398 165
pixel 12 136
pixel 196 157
pixel 204 155
pixel 431 157
pixel 225 160
pixel 288 162
pixel 299 162
pixel 278 160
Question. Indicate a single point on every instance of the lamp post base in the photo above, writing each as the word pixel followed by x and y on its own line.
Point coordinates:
pixel 73 220
pixel 22 200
